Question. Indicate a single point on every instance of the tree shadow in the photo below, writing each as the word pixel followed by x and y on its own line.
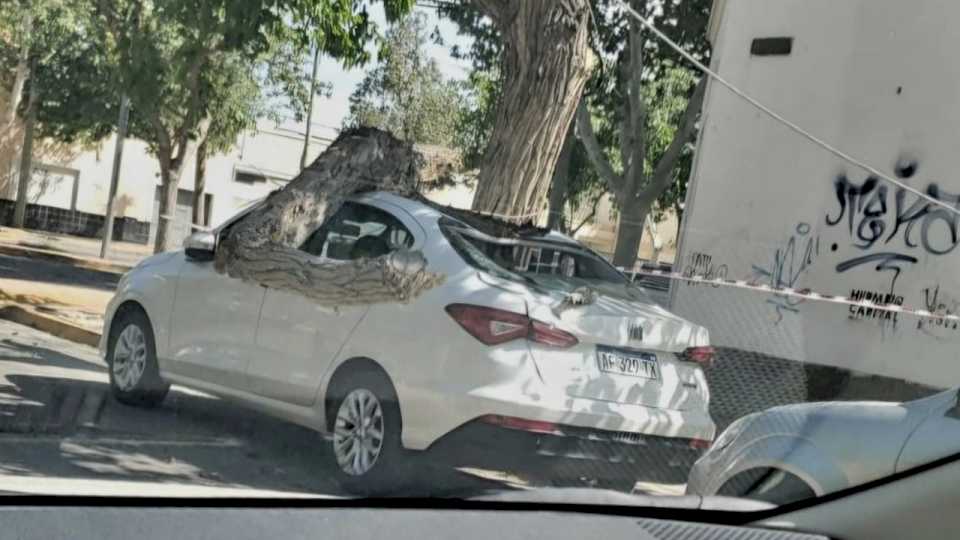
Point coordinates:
pixel 14 267
pixel 43 356
pixel 74 429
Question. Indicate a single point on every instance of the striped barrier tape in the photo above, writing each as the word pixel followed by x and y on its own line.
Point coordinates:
pixel 805 294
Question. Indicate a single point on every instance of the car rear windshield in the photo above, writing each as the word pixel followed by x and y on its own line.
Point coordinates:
pixel 539 259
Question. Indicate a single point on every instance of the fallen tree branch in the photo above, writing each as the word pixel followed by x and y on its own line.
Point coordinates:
pixel 263 247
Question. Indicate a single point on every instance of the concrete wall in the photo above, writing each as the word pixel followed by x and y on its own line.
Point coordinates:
pixel 879 79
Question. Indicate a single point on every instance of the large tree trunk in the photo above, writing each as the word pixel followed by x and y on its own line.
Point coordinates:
pixel 199 186
pixel 170 172
pixel 561 179
pixel 26 152
pixel 546 62
pixel 264 246
pixel 629 233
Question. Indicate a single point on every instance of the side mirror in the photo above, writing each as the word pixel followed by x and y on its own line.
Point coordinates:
pixel 200 246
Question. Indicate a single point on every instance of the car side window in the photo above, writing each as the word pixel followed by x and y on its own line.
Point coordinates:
pixel 357 231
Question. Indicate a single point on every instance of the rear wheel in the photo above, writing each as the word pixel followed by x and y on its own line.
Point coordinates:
pixel 366 423
pixel 768 485
pixel 132 359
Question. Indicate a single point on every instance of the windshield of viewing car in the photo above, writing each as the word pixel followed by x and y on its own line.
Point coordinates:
pixel 684 249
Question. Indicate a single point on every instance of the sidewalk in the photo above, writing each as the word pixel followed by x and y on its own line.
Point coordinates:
pixel 58 284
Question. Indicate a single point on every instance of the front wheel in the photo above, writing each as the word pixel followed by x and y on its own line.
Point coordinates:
pixel 132 359
pixel 366 423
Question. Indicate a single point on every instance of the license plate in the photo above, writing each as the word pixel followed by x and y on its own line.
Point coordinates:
pixel 632 364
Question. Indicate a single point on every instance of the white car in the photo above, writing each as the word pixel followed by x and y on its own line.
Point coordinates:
pixel 491 348
pixel 794 452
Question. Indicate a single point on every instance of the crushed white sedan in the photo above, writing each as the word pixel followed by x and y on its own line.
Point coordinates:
pixel 533 338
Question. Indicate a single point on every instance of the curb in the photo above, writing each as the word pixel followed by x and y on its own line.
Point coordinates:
pixel 50 325
pixel 53 256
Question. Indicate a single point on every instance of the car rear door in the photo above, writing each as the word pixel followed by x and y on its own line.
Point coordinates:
pixel 299 337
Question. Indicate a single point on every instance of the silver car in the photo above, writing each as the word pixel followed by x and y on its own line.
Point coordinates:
pixel 793 452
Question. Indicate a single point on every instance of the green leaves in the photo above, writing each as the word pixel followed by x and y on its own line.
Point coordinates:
pixel 405 93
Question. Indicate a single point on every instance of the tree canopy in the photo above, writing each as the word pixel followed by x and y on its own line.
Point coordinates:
pixel 405 93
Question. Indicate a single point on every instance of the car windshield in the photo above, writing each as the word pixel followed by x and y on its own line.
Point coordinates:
pixel 696 252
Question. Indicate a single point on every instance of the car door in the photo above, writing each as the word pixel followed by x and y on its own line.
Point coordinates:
pixel 300 337
pixel 214 324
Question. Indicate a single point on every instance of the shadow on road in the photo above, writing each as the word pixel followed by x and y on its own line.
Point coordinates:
pixel 44 356
pixel 71 427
pixel 32 269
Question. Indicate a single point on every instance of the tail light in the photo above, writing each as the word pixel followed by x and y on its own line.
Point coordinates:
pixel 699 444
pixel 533 426
pixel 495 326
pixel 701 355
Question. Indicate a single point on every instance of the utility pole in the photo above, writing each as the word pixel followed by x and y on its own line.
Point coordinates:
pixel 115 175
pixel 26 153
pixel 313 89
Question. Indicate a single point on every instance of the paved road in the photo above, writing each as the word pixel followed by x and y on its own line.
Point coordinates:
pixel 61 432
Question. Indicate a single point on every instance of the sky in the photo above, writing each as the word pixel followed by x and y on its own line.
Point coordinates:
pixel 328 113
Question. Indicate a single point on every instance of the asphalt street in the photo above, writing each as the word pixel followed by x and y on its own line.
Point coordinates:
pixel 62 433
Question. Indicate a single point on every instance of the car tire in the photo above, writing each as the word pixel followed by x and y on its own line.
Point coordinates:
pixel 132 361
pixel 365 424
pixel 770 485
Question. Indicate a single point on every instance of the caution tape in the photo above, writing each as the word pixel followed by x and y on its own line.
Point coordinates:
pixel 805 294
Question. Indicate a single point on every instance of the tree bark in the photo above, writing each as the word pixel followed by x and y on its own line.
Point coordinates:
pixel 199 186
pixel 264 246
pixel 26 152
pixel 170 171
pixel 629 233
pixel 545 65
pixel 561 179
pixel 21 73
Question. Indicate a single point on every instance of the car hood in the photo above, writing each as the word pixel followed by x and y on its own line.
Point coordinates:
pixel 863 438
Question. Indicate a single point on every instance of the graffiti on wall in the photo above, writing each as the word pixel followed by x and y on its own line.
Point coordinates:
pixel 937 301
pixel 889 226
pixel 701 264
pixel 788 264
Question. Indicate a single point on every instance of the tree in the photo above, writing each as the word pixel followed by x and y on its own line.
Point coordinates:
pixel 406 93
pixel 645 98
pixel 545 62
pixel 55 76
pixel 168 58
pixel 263 247
pixel 266 87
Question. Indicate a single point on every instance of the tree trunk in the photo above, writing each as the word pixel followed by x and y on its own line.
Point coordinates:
pixel 629 232
pixel 546 62
pixel 21 73
pixel 169 184
pixel 264 246
pixel 558 187
pixel 26 152
pixel 199 185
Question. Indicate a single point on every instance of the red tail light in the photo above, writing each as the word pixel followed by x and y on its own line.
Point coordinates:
pixel 495 326
pixel 533 426
pixel 701 355
pixel 699 444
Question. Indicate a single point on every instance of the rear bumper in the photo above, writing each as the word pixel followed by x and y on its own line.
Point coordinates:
pixel 570 456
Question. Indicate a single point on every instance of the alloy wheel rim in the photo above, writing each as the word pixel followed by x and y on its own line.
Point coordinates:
pixel 129 357
pixel 358 432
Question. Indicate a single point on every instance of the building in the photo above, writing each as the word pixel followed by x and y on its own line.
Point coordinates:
pixel 876 80
pixel 70 186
